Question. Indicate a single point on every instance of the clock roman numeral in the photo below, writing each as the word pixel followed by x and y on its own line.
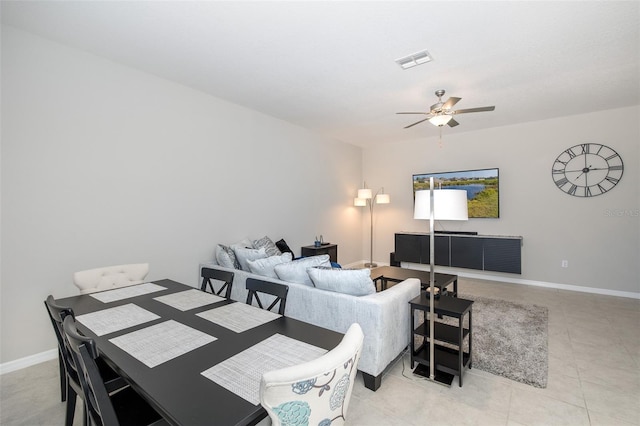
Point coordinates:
pixel 572 190
pixel 557 171
pixel 587 192
pixel 562 182
pixel 585 148
pixel 616 168
pixel 571 153
pixel 611 156
pixel 612 180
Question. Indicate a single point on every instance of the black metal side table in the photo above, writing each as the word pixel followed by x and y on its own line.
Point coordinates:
pixel 449 362
pixel 330 249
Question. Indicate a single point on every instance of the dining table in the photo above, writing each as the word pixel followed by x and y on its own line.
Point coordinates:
pixel 195 357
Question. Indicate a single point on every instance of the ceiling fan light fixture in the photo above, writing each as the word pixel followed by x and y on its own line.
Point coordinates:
pixel 440 120
pixel 414 59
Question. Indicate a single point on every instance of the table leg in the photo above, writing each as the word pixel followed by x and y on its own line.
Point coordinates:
pixel 455 286
pixel 460 350
pixel 411 338
pixel 470 339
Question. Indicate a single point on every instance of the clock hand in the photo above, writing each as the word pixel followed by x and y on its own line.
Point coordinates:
pixel 584 170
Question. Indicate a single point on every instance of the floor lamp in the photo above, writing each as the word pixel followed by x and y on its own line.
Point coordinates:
pixel 366 197
pixel 439 204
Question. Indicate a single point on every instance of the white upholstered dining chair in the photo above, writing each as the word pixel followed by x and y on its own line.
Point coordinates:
pixel 110 277
pixel 316 392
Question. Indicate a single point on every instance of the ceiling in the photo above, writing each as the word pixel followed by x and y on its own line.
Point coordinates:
pixel 330 66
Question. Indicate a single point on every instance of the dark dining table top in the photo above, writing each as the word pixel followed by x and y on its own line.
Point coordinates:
pixel 175 388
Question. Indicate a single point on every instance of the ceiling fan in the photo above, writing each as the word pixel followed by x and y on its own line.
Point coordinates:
pixel 441 113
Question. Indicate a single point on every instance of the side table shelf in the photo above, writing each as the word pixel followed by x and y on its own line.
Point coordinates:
pixel 449 360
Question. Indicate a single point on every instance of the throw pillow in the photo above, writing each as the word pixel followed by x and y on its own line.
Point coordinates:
pixel 268 245
pixel 284 247
pixel 244 255
pixel 356 282
pixel 296 271
pixel 226 257
pixel 245 243
pixel 265 267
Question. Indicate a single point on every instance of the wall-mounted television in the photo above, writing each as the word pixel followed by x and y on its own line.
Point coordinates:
pixel 482 186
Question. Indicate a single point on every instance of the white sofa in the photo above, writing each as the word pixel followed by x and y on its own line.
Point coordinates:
pixel 384 317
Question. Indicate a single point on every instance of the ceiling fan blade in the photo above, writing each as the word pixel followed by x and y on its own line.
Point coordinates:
pixel 412 113
pixel 450 102
pixel 479 109
pixel 452 123
pixel 417 122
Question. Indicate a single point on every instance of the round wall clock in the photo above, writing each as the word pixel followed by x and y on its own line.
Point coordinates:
pixel 587 170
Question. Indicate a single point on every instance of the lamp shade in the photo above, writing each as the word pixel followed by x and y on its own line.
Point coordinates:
pixel 440 120
pixel 359 202
pixel 449 204
pixel 365 193
pixel 382 199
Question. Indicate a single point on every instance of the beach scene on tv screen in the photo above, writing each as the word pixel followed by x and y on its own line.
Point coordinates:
pixel 482 188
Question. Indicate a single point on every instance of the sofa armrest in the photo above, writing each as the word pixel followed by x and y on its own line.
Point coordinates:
pixel 385 318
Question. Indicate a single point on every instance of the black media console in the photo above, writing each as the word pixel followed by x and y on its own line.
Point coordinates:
pixel 481 252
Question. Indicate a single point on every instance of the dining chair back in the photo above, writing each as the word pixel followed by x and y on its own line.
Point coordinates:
pixel 56 315
pixel 69 380
pixel 279 291
pixel 125 407
pixel 315 392
pixel 226 277
pixel 109 277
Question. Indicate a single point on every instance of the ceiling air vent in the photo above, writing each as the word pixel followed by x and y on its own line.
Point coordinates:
pixel 414 59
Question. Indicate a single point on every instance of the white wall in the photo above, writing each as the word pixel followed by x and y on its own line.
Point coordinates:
pixel 102 165
pixel 599 236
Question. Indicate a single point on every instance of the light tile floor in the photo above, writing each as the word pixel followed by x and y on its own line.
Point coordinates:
pixel 594 375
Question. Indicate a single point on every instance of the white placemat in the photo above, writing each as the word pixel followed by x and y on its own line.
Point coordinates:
pixel 189 299
pixel 127 292
pixel 117 318
pixel 241 374
pixel 239 317
pixel 161 342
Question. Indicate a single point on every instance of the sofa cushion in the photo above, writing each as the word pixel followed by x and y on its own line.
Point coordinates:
pixel 244 255
pixel 226 257
pixel 268 245
pixel 356 282
pixel 296 271
pixel 265 267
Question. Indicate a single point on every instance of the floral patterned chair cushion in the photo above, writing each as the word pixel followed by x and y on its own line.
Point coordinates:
pixel 317 392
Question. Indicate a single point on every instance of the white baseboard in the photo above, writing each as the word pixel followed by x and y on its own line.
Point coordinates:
pixel 28 361
pixel 512 280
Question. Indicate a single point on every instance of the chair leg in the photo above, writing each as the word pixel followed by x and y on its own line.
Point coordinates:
pixel 63 378
pixel 71 406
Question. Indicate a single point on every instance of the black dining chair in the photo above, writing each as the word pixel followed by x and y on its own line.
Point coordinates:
pixel 226 277
pixel 69 382
pixel 256 286
pixel 125 407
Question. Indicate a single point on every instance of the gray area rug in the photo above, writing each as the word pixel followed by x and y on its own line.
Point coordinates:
pixel 510 339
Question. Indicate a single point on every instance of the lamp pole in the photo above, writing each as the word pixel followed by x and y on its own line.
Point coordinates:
pixel 371 264
pixel 432 276
pixel 365 196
